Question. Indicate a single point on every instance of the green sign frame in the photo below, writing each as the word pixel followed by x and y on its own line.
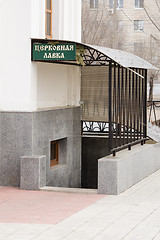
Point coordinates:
pixel 53 52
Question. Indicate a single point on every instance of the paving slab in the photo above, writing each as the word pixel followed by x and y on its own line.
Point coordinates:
pixel 38 207
pixel 42 215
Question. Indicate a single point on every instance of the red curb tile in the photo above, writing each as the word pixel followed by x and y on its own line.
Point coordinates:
pixel 38 207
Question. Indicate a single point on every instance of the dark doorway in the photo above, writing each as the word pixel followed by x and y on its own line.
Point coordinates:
pixel 93 148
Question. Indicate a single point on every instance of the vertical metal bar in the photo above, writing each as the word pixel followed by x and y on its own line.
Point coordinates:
pixel 154 111
pixel 110 107
pixel 119 100
pixel 130 104
pixel 138 113
pixel 115 106
pixel 127 95
pixel 113 102
pixel 140 104
pixel 150 111
pixel 142 97
pixel 134 107
pixel 123 105
pixel 145 106
pixel 113 98
pixel 81 127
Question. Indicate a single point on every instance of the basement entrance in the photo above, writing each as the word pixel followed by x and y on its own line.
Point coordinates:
pixel 113 101
pixel 93 148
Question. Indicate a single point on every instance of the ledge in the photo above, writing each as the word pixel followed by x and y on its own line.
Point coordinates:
pixel 117 174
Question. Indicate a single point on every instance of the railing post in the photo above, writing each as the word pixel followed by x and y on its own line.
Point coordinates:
pixel 145 106
pixel 110 108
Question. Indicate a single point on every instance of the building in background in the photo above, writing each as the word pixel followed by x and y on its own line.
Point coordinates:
pixel 128 25
pixel 39 102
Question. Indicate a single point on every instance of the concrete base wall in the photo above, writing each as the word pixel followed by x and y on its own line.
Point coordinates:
pixel 30 133
pixel 116 174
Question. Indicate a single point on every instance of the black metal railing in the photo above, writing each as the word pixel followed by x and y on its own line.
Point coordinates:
pixel 125 105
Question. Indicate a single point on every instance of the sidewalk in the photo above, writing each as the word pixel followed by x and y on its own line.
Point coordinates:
pixel 132 215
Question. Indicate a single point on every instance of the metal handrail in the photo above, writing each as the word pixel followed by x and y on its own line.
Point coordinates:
pixel 128 145
pixel 153 105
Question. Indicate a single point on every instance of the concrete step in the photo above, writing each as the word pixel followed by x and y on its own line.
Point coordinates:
pixel 69 190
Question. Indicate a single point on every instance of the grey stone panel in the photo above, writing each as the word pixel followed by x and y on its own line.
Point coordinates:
pixel 45 152
pixel 8 131
pixel 16 141
pixel 58 176
pixel 23 122
pixel 75 179
pixel 76 122
pixel 16 130
pixel 77 128
pixel 116 174
pixel 107 174
pixel 127 169
pixel 76 113
pixel 31 133
pixel 42 181
pixel 74 153
pixel 63 151
pixel 58 124
pixel 32 172
pixel 9 168
pixel 48 126
pixel 41 130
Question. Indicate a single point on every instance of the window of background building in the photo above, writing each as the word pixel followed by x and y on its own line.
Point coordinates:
pixel 111 4
pixel 120 26
pixel 119 4
pixel 48 19
pixel 94 3
pixel 54 155
pixel 138 47
pixel 138 25
pixel 139 3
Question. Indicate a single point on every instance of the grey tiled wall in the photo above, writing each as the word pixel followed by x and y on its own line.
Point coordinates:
pixel 30 133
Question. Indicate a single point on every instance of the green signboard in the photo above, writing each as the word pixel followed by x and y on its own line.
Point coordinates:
pixel 53 51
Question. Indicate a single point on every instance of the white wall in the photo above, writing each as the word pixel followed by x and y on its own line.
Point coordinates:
pixel 58 85
pixel 37 18
pixel 67 16
pixel 21 20
pixel 17 74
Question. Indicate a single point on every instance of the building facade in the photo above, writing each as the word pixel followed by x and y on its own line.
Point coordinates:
pixel 39 102
pixel 128 25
